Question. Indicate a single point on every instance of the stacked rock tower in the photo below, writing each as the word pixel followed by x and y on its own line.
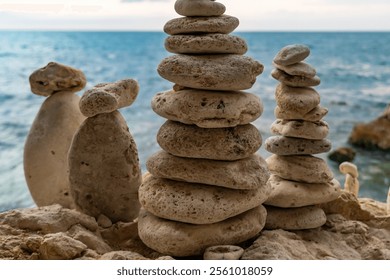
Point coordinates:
pixel 299 180
pixel 207 185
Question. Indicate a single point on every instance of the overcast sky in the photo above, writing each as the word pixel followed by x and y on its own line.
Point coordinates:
pixel 254 15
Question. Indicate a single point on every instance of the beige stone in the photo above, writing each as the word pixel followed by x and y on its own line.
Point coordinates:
pixel 181 239
pixel 314 115
pixel 208 109
pixel 292 54
pixel 60 246
pixel 302 100
pixel 219 143
pixel 122 255
pixel 104 168
pixel 307 169
pixel 287 194
pixel 108 97
pixel 206 44
pixel 301 129
pixel 211 72
pixel 189 25
pixel 196 203
pixel 56 77
pixel 223 252
pixel 307 217
pixel 298 69
pixel 248 173
pixel 285 146
pixel 295 81
pixel 351 177
pixel 192 8
pixel 46 149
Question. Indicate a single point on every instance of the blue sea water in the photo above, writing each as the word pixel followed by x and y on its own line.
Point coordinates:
pixel 354 69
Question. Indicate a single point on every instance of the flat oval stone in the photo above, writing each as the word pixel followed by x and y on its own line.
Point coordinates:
pixel 191 141
pixel 208 109
pixel 189 25
pixel 182 239
pixel 298 69
pixel 308 217
pixel 206 44
pixel 301 100
pixel 211 72
pixel 248 173
pixel 301 129
pixel 223 252
pixel 292 54
pixel 295 81
pixel 196 203
pixel 285 146
pixel 305 168
pixel 191 8
pixel 287 194
pixel 314 115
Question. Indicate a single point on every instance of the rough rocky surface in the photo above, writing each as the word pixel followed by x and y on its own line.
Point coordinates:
pixel 281 145
pixel 314 115
pixel 301 129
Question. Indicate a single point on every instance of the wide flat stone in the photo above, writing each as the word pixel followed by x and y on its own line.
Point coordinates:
pixel 295 81
pixel 208 109
pixel 211 72
pixel 314 115
pixel 292 54
pixel 298 69
pixel 219 143
pixel 191 8
pixel 182 239
pixel 248 173
pixel 281 145
pixel 301 129
pixel 301 100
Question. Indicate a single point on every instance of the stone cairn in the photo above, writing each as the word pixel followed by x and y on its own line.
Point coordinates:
pixel 47 144
pixel 104 170
pixel 299 180
pixel 206 186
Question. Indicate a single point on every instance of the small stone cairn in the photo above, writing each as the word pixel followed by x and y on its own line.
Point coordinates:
pixel 206 186
pixel 299 180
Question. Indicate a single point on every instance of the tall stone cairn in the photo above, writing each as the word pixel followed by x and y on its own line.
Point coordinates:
pixel 207 185
pixel 299 180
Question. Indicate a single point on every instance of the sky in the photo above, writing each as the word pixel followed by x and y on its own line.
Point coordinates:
pixel 145 15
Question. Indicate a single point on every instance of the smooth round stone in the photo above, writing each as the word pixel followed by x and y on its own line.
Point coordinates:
pixel 301 129
pixel 308 217
pixel 248 173
pixel 302 100
pixel 219 143
pixel 305 168
pixel 284 146
pixel 223 252
pixel 288 194
pixel 182 239
pixel 298 69
pixel 292 54
pixel 189 25
pixel 191 8
pixel 208 109
pixel 196 203
pixel 295 81
pixel 314 115
pixel 206 44
pixel 211 72
pixel 104 168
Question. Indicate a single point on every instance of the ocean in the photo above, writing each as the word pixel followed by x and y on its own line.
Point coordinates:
pixel 355 86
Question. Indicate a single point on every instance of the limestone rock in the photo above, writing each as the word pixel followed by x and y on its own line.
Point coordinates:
pixel 192 8
pixel 295 81
pixel 223 252
pixel 189 25
pixel 298 69
pixel 292 54
pixel 122 255
pixel 285 146
pixel 314 115
pixel 248 173
pixel 342 154
pixel 181 239
pixel 208 109
pixel 90 239
pixel 196 203
pixel 211 72
pixel 302 100
pixel 301 129
pixel 59 246
pixel 223 144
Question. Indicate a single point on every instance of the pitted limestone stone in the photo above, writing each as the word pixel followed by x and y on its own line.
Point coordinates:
pixel 318 113
pixel 284 146
pixel 298 69
pixel 295 81
pixel 301 129
pixel 292 54
pixel 302 100
pixel 191 8
pixel 208 109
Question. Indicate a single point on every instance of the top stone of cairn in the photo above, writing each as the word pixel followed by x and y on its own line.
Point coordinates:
pixel 191 8
pixel 292 54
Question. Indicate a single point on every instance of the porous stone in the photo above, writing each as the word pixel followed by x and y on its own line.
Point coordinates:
pixel 189 25
pixel 104 168
pixel 56 77
pixel 301 129
pixel 295 81
pixel 46 149
pixel 190 141
pixel 292 54
pixel 181 239
pixel 307 217
pixel 211 72
pixel 223 252
pixel 298 69
pixel 206 44
pixel 305 168
pixel 284 146
pixel 248 173
pixel 287 194
pixel 108 97
pixel 196 203
pixel 302 100
pixel 314 115
pixel 60 246
pixel 208 109
pixel 192 8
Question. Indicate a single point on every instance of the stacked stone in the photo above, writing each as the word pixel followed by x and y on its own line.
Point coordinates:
pixel 299 180
pixel 207 185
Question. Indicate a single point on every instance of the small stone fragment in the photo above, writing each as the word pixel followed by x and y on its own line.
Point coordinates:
pixel 191 8
pixel 60 246
pixel 351 179
pixel 103 221
pixel 285 146
pixel 223 252
pixel 292 54
pixel 301 129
